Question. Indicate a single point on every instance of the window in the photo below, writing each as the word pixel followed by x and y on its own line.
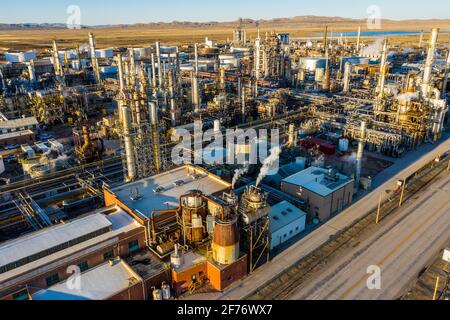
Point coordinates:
pixel 22 295
pixel 296 228
pixel 83 266
pixel 108 255
pixel 133 246
pixel 285 235
pixel 290 232
pixel 53 279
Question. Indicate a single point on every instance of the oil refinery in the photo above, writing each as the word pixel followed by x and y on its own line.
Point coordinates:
pixel 354 130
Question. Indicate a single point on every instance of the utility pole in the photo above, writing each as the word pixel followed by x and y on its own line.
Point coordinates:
pixel 379 209
pixel 403 192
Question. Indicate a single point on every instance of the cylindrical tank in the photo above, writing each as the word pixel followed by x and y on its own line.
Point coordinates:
pixel 301 162
pixel 216 125
pixel 157 294
pixel 165 289
pixel 225 244
pixel 165 247
pixel 177 258
pixel 194 214
pixel 343 145
pixel 320 72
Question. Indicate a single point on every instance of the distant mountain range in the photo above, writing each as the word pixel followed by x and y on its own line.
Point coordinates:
pixel 300 21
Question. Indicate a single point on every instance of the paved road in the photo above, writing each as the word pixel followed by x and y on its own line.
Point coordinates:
pixel 401 246
pixel 309 243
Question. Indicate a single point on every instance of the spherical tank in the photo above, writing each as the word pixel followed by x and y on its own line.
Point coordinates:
pixel 225 244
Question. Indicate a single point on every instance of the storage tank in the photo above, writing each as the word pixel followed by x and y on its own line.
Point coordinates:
pixel 312 63
pixel 165 290
pixel 194 212
pixel 157 294
pixel 253 205
pixel 320 72
pixel 225 244
pixel 177 257
pixel 343 145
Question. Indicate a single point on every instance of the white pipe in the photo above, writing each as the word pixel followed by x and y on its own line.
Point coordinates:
pixel 382 81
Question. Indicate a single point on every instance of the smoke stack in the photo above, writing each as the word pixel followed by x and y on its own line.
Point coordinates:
pixel 360 153
pixel 429 63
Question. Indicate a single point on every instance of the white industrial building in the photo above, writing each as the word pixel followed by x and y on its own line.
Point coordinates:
pixel 286 221
pixel 20 56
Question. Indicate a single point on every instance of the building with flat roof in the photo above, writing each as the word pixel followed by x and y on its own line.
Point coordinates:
pixel 19 124
pixel 325 191
pixel 286 221
pixel 17 137
pixel 40 259
pixel 163 191
pixel 113 280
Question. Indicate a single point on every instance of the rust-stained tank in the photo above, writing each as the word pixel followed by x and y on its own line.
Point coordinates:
pixel 225 244
pixel 193 215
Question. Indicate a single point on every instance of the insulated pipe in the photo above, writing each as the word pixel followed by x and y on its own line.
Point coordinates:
pixel 429 63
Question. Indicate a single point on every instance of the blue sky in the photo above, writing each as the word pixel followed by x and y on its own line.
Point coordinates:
pixel 97 12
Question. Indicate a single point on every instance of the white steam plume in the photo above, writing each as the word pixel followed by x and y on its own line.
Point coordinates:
pixel 373 50
pixel 238 173
pixel 268 162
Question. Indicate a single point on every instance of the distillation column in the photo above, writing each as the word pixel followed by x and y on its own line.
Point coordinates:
pixel 56 61
pixel 360 153
pixel 195 91
pixel 347 72
pixel 155 137
pixel 429 64
pixel 94 58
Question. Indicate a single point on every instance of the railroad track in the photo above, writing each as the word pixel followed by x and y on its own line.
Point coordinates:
pixel 284 284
